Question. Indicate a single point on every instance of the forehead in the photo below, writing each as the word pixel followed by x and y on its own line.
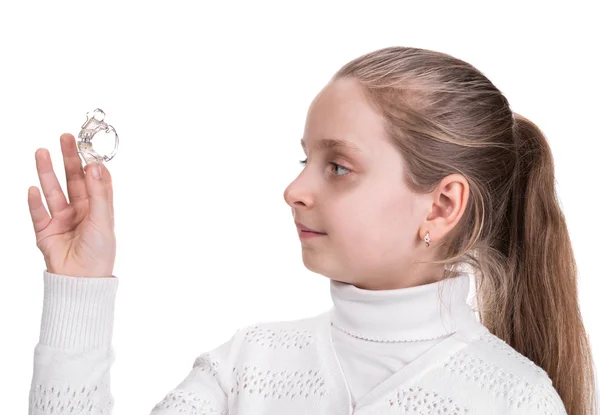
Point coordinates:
pixel 341 111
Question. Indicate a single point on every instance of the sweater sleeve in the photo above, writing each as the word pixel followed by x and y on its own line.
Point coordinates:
pixel 543 400
pixel 202 392
pixel 72 360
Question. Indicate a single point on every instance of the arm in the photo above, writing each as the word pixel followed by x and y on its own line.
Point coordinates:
pixel 72 360
pixel 544 399
pixel 201 392
pixel 71 371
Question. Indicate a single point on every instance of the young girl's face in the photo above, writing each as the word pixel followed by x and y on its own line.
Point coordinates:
pixel 370 218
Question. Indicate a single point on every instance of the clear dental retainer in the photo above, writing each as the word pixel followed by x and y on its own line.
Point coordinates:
pixel 93 125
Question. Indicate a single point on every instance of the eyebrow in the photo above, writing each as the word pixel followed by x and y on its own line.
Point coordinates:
pixel 331 143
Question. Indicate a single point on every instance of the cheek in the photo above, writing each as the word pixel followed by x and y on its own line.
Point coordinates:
pixel 380 224
pixel 365 220
pixel 397 215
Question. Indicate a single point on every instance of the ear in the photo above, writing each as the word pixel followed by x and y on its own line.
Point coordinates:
pixel 448 203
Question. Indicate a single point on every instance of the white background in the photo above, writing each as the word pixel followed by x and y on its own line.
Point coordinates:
pixel 210 102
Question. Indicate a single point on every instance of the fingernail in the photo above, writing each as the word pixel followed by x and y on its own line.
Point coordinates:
pixel 96 172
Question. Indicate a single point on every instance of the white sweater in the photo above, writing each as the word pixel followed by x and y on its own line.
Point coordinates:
pixel 374 352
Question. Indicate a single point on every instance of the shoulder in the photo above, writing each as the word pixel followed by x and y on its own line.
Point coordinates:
pixel 286 334
pixel 499 370
pixel 260 351
pixel 265 339
pixel 488 353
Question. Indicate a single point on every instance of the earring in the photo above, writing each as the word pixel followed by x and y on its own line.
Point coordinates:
pixel 427 239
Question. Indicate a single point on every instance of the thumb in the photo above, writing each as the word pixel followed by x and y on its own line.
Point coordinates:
pixel 99 212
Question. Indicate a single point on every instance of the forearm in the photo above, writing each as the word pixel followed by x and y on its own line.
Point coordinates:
pixel 73 357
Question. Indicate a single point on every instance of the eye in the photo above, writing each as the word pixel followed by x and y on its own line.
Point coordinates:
pixel 303 162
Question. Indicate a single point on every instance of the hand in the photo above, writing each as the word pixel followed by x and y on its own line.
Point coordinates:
pixel 79 239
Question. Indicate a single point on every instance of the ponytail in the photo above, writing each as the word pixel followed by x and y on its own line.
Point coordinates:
pixel 544 322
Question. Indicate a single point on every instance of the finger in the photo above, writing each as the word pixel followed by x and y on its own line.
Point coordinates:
pixel 37 210
pixel 55 198
pixel 99 212
pixel 109 189
pixel 73 169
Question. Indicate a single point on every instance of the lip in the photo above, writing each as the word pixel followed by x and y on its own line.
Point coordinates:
pixel 301 227
pixel 308 234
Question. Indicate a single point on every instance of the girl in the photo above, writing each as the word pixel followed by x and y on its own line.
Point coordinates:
pixel 418 175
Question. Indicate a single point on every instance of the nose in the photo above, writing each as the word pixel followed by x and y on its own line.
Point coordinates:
pixel 298 195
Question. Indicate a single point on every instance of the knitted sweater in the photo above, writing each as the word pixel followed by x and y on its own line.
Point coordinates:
pixel 375 352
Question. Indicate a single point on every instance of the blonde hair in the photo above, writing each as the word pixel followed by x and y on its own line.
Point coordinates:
pixel 444 117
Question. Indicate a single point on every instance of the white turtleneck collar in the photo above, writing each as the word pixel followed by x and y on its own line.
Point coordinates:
pixel 405 314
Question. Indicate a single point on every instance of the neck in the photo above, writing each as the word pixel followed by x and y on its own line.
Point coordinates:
pixel 416 313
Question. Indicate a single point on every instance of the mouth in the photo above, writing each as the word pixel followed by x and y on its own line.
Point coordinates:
pixel 304 235
pixel 306 230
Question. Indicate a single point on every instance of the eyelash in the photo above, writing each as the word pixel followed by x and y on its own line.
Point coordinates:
pixel 303 162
